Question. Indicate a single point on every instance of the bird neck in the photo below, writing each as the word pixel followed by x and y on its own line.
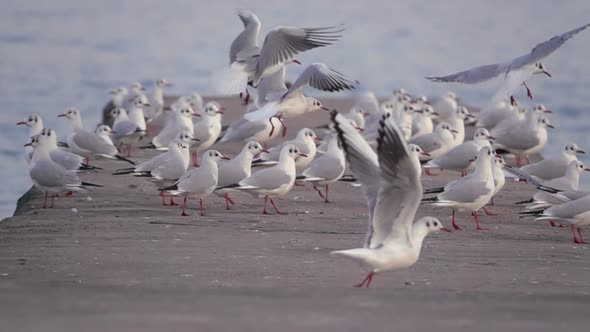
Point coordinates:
pixel 419 233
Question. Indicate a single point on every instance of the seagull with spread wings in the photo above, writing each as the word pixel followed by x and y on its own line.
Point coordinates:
pixel 516 71
pixel 390 180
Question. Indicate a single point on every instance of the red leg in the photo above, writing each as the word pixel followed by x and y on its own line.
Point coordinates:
pixel 184 214
pixel 45 201
pixel 427 171
pixel 283 124
pixel 526 157
pixel 172 202
pixel 272 127
pixel 492 201
pixel 247 98
pixel 52 198
pixel 518 160
pixel 576 241
pixel 455 226
pixel 299 184
pixel 552 223
pixel 227 201
pixel 528 91
pixel 265 211
pixel 488 213
pixel 86 161
pixel 367 280
pixel 275 207
pixel 512 101
pixel 163 198
pixel 479 228
pixel 69 194
pixel 463 173
pixel 319 191
pixel 580 234
pixel 201 207
pixel 327 200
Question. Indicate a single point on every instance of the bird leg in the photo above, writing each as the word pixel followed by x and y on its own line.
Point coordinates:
pixel 319 191
pixel 580 234
pixel 164 199
pixel 479 228
pixel 367 279
pixel 488 213
pixel 455 226
pixel 45 201
pixel 247 98
pixel 201 208
pixel 172 203
pixel 52 198
pixel 69 194
pixel 526 157
pixel 279 117
pixel 492 201
pixel 512 101
pixel 327 200
pixel 552 223
pixel 265 211
pixel 275 207
pixel 518 160
pixel 576 241
pixel 184 214
pixel 228 201
pixel 528 91
pixel 463 173
pixel 427 171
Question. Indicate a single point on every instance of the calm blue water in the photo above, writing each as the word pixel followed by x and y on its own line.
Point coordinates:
pixel 55 54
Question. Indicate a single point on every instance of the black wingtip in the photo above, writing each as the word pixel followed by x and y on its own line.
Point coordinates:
pixel 528 201
pixel 430 199
pixel 434 190
pixel 230 186
pixel 149 146
pixel 88 184
pixel 121 158
pixel 172 187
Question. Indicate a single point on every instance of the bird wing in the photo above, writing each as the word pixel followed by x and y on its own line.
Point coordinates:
pixel 465 190
pixel 321 77
pixel 272 87
pixel 125 128
pixel 66 159
pixel 428 142
pixel 49 174
pixel 473 75
pixel 270 178
pixel 545 48
pixel 92 142
pixel 282 43
pixel 247 39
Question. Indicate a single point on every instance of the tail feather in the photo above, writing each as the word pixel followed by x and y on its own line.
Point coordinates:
pixel 88 184
pixel 430 199
pixel 259 162
pixel 173 187
pixel 86 167
pixel 123 171
pixel 267 111
pixel 528 201
pixel 149 146
pixel 434 190
pixel 121 158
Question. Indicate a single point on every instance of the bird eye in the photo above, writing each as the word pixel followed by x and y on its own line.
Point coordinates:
pixel 435 223
pixel 428 224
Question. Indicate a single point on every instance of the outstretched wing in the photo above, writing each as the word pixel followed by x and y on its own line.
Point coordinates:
pixel 363 162
pixel 320 77
pixel 248 38
pixel 473 75
pixel 282 43
pixel 400 190
pixel 545 48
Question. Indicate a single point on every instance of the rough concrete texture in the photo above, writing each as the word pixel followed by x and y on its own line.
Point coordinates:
pixel 122 262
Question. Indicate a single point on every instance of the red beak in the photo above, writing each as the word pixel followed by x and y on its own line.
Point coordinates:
pixel 444 229
pixel 62 115
pixel 425 154
pixel 491 137
pixel 577 151
pixel 21 123
pixel 302 155
pixel 547 111
pixel 196 114
pixel 264 150
pixel 325 108
pixel 550 126
pixel 507 166
pixel 28 144
pixel 296 61
pixel 546 73
pixel 225 158
pixel 317 139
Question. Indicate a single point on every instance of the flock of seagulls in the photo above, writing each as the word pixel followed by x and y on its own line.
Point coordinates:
pixel 387 145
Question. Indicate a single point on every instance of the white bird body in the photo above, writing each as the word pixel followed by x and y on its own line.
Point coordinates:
pixel 460 158
pixel 305 141
pixel 436 143
pixel 66 159
pixel 208 128
pixel 35 124
pixel 182 121
pixel 524 138
pixel 422 121
pixel 446 106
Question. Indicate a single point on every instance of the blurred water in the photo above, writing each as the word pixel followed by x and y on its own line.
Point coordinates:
pixel 55 54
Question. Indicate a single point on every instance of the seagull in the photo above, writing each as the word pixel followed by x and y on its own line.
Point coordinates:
pixel 294 102
pixel 207 129
pixel 85 143
pixel 437 143
pixel 422 121
pixel 498 166
pixel 446 106
pixel 390 180
pixel 570 181
pixel 523 139
pixel 516 71
pixel 156 114
pixel 197 182
pixel 237 169
pixel 125 132
pixel 182 121
pixel 117 100
pixel 469 193
pixel 50 177
pixel 260 131
pixel 136 91
pixel 103 131
pixel 251 63
pixel 490 116
pixel 325 169
pixel 554 167
pixel 574 213
pixel 461 157
pixel 66 159
pixel 274 181
pixel 457 122
pixel 35 124
pixel 136 112
pixel 305 141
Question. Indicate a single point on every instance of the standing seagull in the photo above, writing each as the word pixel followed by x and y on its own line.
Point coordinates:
pixel 516 71
pixel 391 183
pixel 198 182
pixel 469 193
pixel 35 124
pixel 294 102
pixel 554 167
pixel 250 63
